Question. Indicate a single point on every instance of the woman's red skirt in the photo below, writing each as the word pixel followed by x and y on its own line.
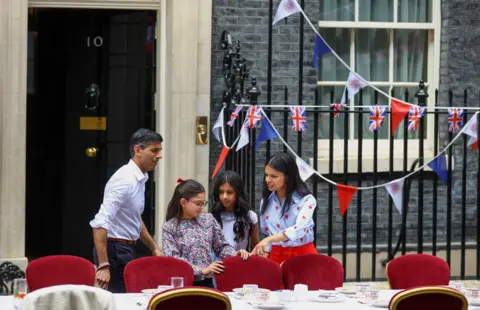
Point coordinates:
pixel 280 254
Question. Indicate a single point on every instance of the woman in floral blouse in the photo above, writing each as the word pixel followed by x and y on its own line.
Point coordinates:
pixel 285 211
pixel 193 235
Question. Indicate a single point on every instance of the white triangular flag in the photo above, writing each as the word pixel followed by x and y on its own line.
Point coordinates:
pixel 286 8
pixel 304 169
pixel 244 138
pixel 396 191
pixel 217 127
pixel 471 141
pixel 354 83
pixel 471 129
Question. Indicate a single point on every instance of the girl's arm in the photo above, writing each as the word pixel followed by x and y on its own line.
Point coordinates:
pixel 254 235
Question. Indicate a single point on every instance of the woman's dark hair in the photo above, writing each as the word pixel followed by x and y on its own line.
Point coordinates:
pixel 186 189
pixel 286 164
pixel 242 220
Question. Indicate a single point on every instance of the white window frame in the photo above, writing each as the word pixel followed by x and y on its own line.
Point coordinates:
pixel 433 29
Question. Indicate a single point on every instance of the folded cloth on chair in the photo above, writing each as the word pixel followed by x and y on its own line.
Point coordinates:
pixel 79 297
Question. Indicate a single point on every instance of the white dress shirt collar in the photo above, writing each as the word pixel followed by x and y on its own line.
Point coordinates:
pixel 141 177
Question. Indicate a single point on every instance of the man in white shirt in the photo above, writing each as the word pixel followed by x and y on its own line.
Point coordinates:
pixel 118 225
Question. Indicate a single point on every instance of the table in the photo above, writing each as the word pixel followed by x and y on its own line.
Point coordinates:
pixel 140 302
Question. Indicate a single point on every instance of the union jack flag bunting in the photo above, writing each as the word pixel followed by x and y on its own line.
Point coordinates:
pixel 234 116
pixel 455 118
pixel 377 116
pixel 254 115
pixel 336 107
pixel 299 118
pixel 415 114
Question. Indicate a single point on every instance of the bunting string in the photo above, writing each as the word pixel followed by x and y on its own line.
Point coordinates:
pixel 373 186
pixel 366 107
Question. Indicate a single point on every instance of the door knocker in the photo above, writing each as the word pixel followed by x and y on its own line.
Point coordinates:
pixel 93 95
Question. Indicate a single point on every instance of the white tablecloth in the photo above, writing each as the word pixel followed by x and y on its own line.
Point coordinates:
pixel 139 302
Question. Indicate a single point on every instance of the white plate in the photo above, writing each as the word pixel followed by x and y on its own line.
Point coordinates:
pixel 270 306
pixel 239 291
pixel 346 290
pixel 381 304
pixel 149 291
pixel 324 298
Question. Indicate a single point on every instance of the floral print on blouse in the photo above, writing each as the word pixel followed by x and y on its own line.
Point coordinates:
pixel 195 241
pixel 296 224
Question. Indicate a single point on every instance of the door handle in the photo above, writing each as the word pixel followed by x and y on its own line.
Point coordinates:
pixel 91 152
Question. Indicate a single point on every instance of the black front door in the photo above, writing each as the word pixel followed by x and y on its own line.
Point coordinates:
pixel 92 85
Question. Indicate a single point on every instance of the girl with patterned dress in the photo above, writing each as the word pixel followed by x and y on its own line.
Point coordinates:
pixel 285 211
pixel 232 211
pixel 193 235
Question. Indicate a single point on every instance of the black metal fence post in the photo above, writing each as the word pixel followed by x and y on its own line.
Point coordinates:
pixel 421 96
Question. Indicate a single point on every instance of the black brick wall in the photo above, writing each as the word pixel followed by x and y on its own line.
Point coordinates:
pixel 247 21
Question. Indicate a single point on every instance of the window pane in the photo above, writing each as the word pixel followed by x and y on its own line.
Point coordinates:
pixel 410 54
pixel 375 10
pixel 408 94
pixel 372 55
pixel 337 10
pixel 368 98
pixel 325 93
pixel 330 69
pixel 415 11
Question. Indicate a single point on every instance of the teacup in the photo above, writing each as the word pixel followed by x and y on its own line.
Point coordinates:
pixel 361 289
pixel 371 295
pixel 249 290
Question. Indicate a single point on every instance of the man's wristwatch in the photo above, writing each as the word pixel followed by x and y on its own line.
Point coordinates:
pixel 103 265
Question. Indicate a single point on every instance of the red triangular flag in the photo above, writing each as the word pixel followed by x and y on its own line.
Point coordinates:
pixel 345 194
pixel 399 111
pixel 475 145
pixel 221 159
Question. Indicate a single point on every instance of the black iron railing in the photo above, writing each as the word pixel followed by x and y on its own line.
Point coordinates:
pixel 400 231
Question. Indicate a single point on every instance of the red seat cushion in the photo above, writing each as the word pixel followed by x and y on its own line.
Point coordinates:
pixel 429 298
pixel 416 270
pixel 190 298
pixel 150 272
pixel 316 270
pixel 256 270
pixel 59 270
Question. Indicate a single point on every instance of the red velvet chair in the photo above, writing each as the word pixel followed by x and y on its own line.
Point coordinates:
pixel 190 298
pixel 59 270
pixel 152 271
pixel 315 270
pixel 256 270
pixel 429 298
pixel 416 270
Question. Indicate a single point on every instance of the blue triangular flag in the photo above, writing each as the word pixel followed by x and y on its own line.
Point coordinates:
pixel 439 165
pixel 320 49
pixel 266 133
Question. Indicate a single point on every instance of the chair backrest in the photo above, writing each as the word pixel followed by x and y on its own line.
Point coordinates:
pixel 152 271
pixel 414 270
pixel 78 297
pixel 429 297
pixel 190 298
pixel 59 270
pixel 315 270
pixel 256 270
